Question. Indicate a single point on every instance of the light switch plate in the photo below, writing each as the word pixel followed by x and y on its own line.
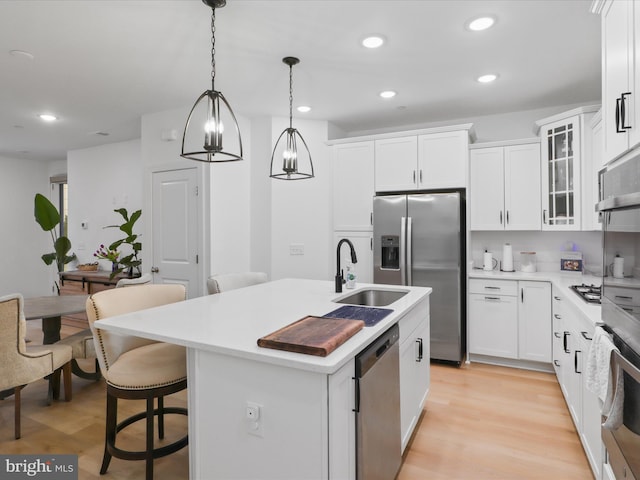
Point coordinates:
pixel 296 249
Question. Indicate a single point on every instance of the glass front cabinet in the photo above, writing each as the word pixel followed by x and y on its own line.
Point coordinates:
pixel 561 196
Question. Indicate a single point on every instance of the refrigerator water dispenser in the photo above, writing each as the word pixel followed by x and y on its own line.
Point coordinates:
pixel 390 252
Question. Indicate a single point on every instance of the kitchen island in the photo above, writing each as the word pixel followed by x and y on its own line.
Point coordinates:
pixel 269 414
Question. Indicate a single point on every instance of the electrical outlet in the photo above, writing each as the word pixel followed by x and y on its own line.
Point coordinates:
pixel 253 414
pixel 296 249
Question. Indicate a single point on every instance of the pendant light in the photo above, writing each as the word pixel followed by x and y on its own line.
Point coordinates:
pixel 203 132
pixel 296 164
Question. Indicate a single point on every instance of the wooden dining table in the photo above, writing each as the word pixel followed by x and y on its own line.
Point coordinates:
pixel 51 309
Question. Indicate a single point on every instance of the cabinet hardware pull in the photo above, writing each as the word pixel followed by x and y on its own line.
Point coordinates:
pixel 557 316
pixel 414 176
pixel 500 217
pixel 522 295
pixel 557 298
pixel 556 334
pixel 618 102
pixel 371 218
pixel 419 342
pixel 623 112
pixel 420 175
pixel 544 217
pixel 575 361
pixel 492 288
pixel 492 298
pixel 585 336
pixel 565 343
pixel 556 363
pixel 507 217
pixel 357 395
pixel 622 297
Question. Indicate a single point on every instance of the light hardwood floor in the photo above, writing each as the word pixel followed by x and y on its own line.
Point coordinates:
pixel 480 422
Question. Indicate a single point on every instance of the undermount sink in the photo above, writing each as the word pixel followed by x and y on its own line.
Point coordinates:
pixel 372 297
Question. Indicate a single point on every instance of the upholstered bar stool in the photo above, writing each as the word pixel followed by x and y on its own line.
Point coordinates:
pixel 137 368
pixel 230 281
pixel 81 343
pixel 21 365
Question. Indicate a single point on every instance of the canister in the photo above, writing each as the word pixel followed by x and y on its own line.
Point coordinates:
pixel 528 262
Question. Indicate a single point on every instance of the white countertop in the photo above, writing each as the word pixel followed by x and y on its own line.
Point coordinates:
pixel 231 322
pixel 561 280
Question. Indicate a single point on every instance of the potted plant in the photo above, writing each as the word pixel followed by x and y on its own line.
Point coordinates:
pixel 130 261
pixel 48 217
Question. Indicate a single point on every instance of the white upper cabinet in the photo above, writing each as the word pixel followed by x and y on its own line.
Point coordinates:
pixel 442 160
pixel 396 164
pixel 425 161
pixel 353 186
pixel 620 80
pixel 566 168
pixel 505 187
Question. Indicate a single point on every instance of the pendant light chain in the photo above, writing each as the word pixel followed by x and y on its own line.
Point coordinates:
pixel 213 47
pixel 290 96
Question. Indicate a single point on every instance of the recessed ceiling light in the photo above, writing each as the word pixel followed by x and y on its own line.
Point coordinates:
pixel 487 78
pixel 47 117
pixel 388 94
pixel 373 41
pixel 481 23
pixel 304 108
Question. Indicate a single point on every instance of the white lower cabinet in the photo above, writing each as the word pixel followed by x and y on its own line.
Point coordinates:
pixel 510 319
pixel 414 368
pixel 572 333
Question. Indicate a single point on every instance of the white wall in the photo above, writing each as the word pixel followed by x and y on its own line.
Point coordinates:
pixel 100 180
pixel 302 210
pixel 493 128
pixel 23 242
pixel 225 218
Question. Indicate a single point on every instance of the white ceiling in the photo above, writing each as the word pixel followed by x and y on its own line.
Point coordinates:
pixel 101 64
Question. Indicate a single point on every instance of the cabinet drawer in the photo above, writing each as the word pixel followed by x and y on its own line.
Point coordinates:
pixel 623 296
pixel 493 287
pixel 412 319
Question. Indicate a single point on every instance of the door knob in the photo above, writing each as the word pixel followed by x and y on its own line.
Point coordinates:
pixel 155 269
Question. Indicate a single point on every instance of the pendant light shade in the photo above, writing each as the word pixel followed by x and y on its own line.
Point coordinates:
pixel 210 118
pixel 291 159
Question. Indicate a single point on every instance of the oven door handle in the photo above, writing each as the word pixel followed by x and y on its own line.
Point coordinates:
pixel 628 367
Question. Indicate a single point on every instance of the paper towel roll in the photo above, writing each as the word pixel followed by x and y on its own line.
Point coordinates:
pixel 618 267
pixel 507 258
pixel 488 261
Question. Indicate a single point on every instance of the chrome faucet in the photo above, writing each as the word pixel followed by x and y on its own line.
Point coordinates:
pixel 354 259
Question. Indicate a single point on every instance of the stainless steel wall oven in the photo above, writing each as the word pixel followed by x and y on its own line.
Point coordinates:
pixel 620 208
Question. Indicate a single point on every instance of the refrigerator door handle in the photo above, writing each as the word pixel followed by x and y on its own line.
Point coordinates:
pixel 409 250
pixel 403 249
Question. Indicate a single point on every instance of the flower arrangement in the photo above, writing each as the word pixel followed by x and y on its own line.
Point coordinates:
pixel 107 254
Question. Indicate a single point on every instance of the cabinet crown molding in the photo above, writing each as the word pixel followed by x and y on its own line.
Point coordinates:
pixel 407 133
pixel 569 113
pixel 504 143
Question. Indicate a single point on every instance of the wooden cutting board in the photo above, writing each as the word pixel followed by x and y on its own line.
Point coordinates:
pixel 312 335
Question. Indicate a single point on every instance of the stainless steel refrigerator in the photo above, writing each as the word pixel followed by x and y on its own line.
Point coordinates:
pixel 420 240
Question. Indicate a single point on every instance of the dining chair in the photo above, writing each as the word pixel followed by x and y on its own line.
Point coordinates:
pixel 21 364
pixel 137 369
pixel 131 282
pixel 230 281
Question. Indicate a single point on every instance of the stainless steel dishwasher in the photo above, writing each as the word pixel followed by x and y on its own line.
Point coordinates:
pixel 378 442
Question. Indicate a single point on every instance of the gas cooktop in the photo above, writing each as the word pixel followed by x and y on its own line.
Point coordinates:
pixel 589 293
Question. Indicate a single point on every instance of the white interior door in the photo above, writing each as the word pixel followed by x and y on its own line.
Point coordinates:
pixel 175 228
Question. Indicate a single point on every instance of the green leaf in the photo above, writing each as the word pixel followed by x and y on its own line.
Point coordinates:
pixel 46 213
pixel 62 246
pixel 48 258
